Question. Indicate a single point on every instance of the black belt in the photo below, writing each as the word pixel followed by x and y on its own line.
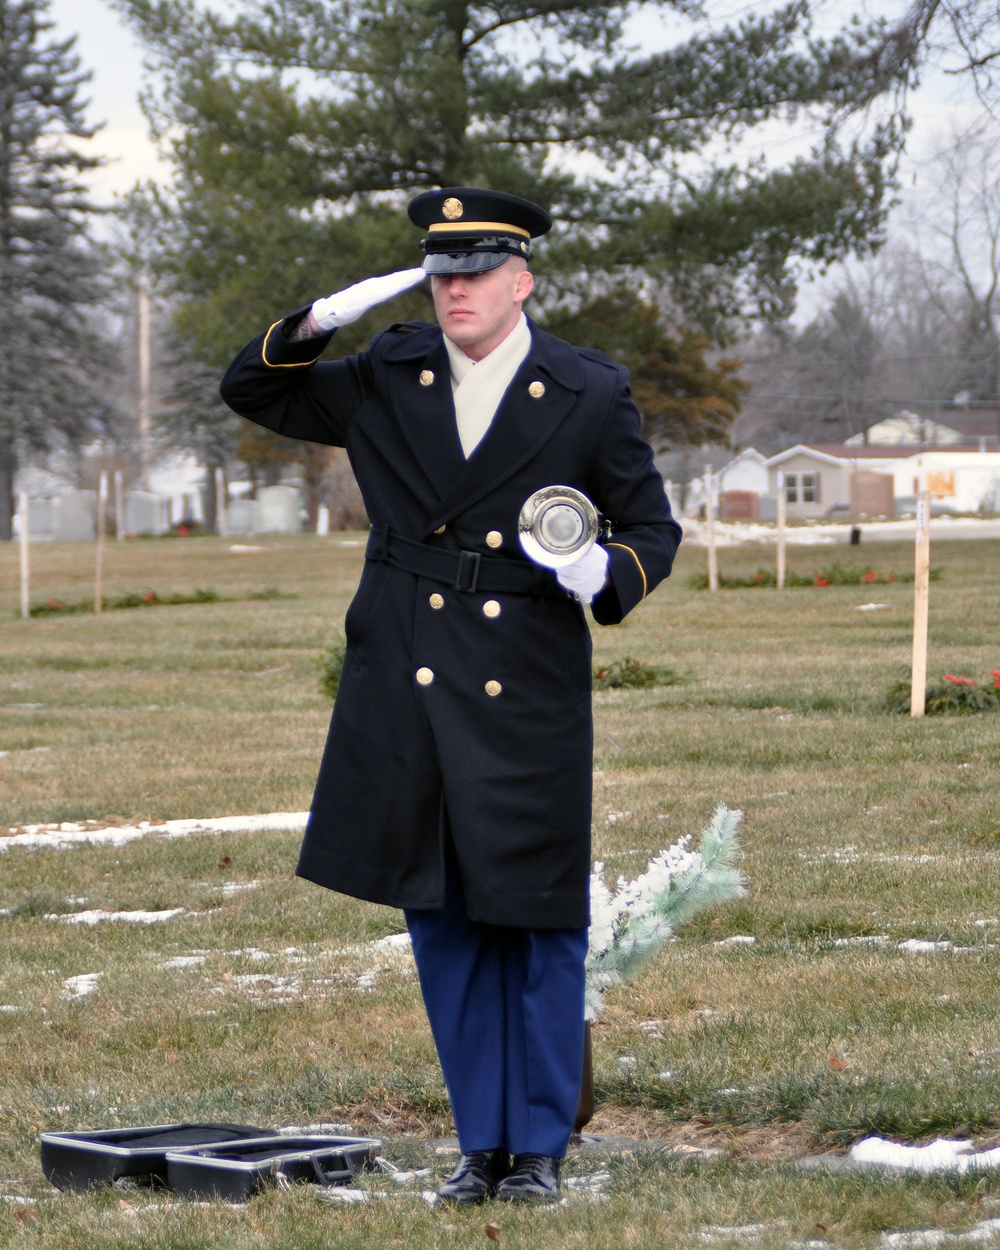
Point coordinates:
pixel 466 571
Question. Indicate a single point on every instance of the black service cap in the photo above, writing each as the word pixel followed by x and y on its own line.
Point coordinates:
pixel 471 230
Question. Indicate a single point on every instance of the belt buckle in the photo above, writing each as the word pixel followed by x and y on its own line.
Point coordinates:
pixel 466 581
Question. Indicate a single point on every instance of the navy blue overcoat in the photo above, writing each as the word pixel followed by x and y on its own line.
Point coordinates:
pixel 464 713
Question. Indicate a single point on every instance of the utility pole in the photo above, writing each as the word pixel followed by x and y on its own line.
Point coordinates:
pixel 145 375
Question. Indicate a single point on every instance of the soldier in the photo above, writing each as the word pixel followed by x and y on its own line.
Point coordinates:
pixel 457 775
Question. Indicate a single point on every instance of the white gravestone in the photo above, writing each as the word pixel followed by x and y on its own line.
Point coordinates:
pixel 241 516
pixel 278 510
pixel 74 516
pixel 144 513
pixel 40 520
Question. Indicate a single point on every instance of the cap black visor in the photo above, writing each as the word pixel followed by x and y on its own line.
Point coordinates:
pixel 464 262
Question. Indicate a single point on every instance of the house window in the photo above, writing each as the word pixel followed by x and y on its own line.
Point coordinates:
pixel 801 488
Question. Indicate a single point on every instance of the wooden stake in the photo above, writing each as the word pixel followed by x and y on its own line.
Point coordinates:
pixel 713 567
pixel 921 600
pixel 119 506
pixel 780 577
pixel 102 509
pixel 143 399
pixel 220 503
pixel 22 528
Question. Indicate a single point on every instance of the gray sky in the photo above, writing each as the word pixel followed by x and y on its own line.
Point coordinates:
pixel 106 48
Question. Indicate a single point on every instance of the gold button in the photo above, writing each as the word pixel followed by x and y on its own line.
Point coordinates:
pixel 536 390
pixel 440 529
pixel 494 539
pixel 436 600
pixel 493 688
pixel 426 377
pixel 491 608
pixel 425 676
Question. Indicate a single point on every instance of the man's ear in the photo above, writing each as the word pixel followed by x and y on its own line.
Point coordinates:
pixel 523 285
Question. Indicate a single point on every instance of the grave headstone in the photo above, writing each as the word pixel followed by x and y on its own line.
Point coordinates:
pixel 74 516
pixel 144 513
pixel 40 520
pixel 241 516
pixel 278 510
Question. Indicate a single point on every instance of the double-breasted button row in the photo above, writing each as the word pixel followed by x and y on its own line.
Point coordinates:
pixel 536 390
pixel 425 677
pixel 491 607
pixel 493 539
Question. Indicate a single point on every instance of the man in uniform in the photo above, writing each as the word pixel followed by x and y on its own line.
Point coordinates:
pixel 456 780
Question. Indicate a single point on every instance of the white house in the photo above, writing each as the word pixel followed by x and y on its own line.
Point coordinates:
pixel 872 479
pixel 745 473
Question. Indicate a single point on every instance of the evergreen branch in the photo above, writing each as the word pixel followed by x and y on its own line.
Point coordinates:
pixel 647 911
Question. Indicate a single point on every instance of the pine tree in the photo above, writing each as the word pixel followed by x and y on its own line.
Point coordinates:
pixel 51 277
pixel 298 130
pixel 302 127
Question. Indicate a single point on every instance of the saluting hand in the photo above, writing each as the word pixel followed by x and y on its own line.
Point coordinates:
pixel 348 305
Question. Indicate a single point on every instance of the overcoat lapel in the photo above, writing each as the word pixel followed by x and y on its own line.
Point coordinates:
pixel 524 422
pixel 420 391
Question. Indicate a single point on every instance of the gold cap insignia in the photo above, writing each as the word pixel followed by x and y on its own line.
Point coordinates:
pixel 536 390
pixel 426 377
pixel 452 208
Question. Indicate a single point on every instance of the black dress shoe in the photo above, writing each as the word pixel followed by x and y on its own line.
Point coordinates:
pixel 533 1178
pixel 475 1179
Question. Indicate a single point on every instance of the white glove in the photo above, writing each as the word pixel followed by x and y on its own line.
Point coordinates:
pixel 344 307
pixel 586 576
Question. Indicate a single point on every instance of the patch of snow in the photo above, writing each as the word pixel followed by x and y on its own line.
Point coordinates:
pixel 97 915
pixel 342 1193
pixel 394 941
pixel 981 1235
pixel 183 961
pixel 870 607
pixel 745 1232
pixel 938 1156
pixel 81 985
pixel 64 836
pixel 737 939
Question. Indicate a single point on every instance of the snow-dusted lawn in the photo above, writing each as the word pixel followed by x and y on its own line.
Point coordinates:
pixel 161 963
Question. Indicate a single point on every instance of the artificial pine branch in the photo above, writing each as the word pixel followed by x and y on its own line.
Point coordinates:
pixel 630 926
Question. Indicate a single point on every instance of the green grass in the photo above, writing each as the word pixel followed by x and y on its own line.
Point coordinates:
pixel 858 824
